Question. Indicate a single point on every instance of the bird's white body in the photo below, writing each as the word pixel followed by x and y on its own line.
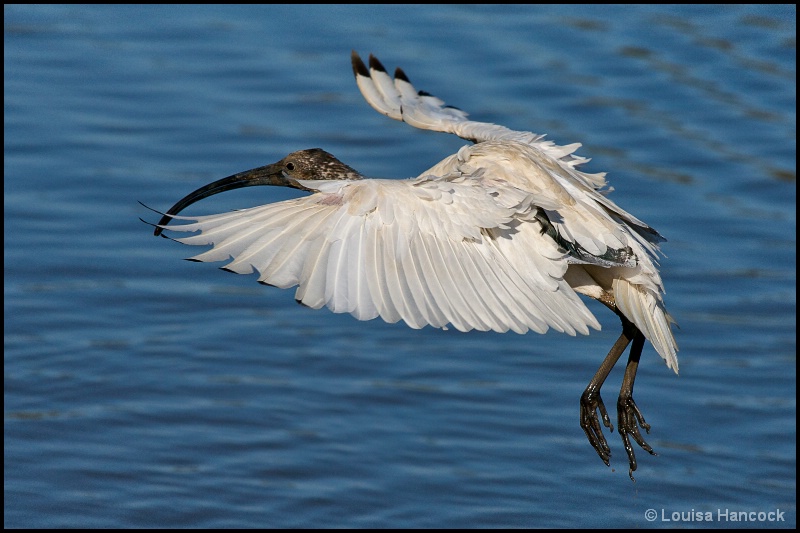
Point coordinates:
pixel 476 242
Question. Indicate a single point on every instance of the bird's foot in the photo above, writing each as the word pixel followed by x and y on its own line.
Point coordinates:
pixel 591 402
pixel 629 420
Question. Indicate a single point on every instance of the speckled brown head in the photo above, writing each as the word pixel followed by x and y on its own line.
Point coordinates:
pixel 316 164
pixel 311 164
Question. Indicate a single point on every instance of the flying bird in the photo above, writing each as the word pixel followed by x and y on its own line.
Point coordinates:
pixel 502 235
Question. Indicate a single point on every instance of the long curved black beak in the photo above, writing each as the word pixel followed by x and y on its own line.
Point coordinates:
pixel 267 175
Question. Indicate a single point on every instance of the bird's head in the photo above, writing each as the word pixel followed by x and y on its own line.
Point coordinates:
pixel 295 170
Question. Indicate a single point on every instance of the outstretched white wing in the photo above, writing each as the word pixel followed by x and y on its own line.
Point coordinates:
pixel 428 251
pixel 398 99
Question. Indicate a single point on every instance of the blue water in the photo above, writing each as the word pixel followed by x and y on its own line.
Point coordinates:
pixel 146 391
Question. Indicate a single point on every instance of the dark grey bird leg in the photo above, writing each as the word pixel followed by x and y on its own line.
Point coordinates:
pixel 591 401
pixel 628 414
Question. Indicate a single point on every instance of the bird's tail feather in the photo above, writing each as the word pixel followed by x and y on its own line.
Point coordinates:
pixel 646 310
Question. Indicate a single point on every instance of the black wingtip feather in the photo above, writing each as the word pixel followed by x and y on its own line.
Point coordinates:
pixel 375 64
pixel 158 227
pixel 359 68
pixel 400 75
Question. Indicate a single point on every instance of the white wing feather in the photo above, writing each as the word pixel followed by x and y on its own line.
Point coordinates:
pixel 398 99
pixel 429 251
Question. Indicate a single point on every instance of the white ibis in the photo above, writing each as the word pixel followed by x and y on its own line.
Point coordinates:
pixel 502 235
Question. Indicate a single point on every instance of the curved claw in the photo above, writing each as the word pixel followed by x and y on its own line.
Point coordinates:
pixel 629 418
pixel 590 403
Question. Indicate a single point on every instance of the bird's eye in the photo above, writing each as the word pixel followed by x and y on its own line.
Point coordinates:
pixel 289 166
